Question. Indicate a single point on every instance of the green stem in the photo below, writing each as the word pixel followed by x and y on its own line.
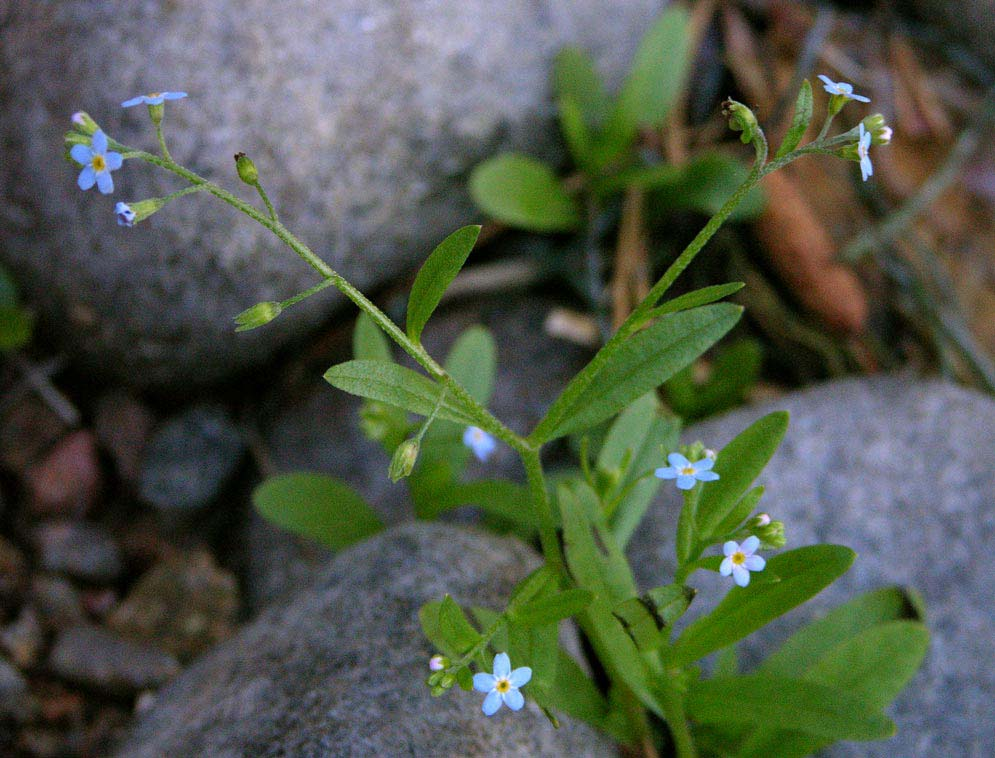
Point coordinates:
pixel 673 708
pixel 162 143
pixel 544 509
pixel 269 205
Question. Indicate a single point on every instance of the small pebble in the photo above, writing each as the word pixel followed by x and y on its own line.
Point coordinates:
pixel 22 640
pixel 123 425
pixel 94 657
pixel 189 459
pixel 13 691
pixel 57 601
pixel 26 431
pixel 67 481
pixel 82 551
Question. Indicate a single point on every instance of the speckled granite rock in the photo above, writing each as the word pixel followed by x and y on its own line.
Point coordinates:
pixel 363 116
pixel 900 470
pixel 339 670
pixel 321 431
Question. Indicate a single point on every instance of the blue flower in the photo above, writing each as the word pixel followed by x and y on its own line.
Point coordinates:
pixel 841 89
pixel 502 686
pixel 740 560
pixel 125 216
pixel 687 473
pixel 153 98
pixel 863 145
pixel 97 164
pixel 480 442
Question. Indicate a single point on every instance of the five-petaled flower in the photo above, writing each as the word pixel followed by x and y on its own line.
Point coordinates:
pixel 125 216
pixel 687 473
pixel 480 442
pixel 740 560
pixel 863 146
pixel 841 89
pixel 502 686
pixel 153 98
pixel 97 164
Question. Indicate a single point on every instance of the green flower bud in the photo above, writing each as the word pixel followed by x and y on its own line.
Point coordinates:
pixel 438 690
pixel 434 679
pixel 447 681
pixel 741 119
pixel 404 460
pixel 258 315
pixel 83 124
pixel 878 128
pixel 770 533
pixel 247 170
pixel 693 452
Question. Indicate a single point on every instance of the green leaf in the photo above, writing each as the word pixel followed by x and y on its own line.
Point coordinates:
pixel 576 79
pixel 447 627
pixel 744 507
pixel 16 326
pixel 698 297
pixel 317 506
pixel 644 361
pixel 786 703
pixel 738 464
pixel 472 362
pixel 395 385
pixel 649 617
pixel 497 497
pixel 550 608
pixel 735 369
pixel 575 131
pixel 369 343
pixel 703 185
pixel 524 193
pixel 435 276
pixel 800 122
pixel 803 573
pixel 810 643
pixel 654 82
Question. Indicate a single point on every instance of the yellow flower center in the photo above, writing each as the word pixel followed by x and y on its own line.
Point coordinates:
pixel 502 686
pixel 739 558
pixel 153 94
pixel 688 471
pixel 98 163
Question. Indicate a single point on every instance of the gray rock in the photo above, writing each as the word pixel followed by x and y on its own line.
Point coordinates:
pixel 364 118
pixel 81 550
pixel 320 432
pixel 13 573
pixel 340 669
pixel 58 602
pixel 189 459
pixel 899 470
pixel 94 657
pixel 13 691
pixel 23 638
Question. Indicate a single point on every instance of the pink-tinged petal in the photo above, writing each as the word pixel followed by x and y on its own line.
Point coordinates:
pixel 87 178
pixel 514 700
pixel 105 182
pixel 755 563
pixel 730 547
pixel 502 666
pixel 740 575
pixel 685 482
pixel 491 703
pixel 706 476
pixel 750 544
pixel 677 460
pixel 725 568
pixel 114 161
pixel 520 676
pixel 81 154
pixel 99 142
pixel 665 473
pixel 484 682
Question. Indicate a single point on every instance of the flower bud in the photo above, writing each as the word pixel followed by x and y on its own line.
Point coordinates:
pixel 247 170
pixel 710 454
pixel 879 130
pixel 258 315
pixel 741 119
pixel 760 520
pixel 447 681
pixel 404 460
pixel 434 679
pixel 693 452
pixel 438 662
pixel 771 535
pixel 129 214
pixel 83 123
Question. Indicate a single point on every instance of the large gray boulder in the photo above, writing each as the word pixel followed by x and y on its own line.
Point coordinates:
pixel 363 116
pixel 340 670
pixel 901 471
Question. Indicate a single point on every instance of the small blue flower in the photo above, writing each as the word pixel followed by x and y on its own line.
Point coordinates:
pixel 842 89
pixel 125 216
pixel 153 98
pixel 502 686
pixel 480 442
pixel 687 473
pixel 740 560
pixel 97 164
pixel 863 146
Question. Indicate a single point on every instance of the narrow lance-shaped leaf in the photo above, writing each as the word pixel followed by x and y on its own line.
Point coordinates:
pixel 697 298
pixel 803 574
pixel 576 78
pixel 644 361
pixel 551 608
pixel 524 193
pixel 317 506
pixel 800 122
pixel 368 340
pixel 395 385
pixel 435 276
